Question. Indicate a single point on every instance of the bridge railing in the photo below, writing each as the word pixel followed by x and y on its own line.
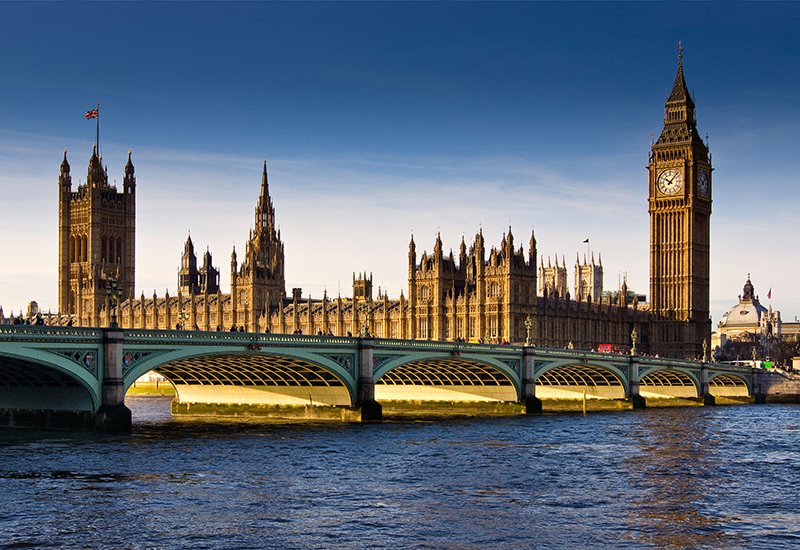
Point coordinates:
pixel 16 333
pixel 444 345
pixel 244 338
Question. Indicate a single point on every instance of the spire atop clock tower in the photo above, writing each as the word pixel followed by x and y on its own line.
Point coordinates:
pixel 680 92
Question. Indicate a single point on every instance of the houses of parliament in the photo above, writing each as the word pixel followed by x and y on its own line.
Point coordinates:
pixel 502 293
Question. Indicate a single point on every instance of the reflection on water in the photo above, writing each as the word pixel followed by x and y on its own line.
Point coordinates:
pixel 676 478
pixel 673 471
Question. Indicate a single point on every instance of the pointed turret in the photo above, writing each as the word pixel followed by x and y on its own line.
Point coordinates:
pixel 96 175
pixel 129 165
pixel 64 178
pixel 437 247
pixel 265 213
pixel 264 181
pixel 64 163
pixel 188 275
pixel 412 255
pixel 129 179
pixel 188 247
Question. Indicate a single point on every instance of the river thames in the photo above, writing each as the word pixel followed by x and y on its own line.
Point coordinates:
pixel 714 477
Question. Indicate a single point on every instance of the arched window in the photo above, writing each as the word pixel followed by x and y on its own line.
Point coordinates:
pixel 103 249
pixel 84 248
pixel 424 293
pixel 118 251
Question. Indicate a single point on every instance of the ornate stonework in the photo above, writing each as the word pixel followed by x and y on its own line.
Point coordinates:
pixel 96 239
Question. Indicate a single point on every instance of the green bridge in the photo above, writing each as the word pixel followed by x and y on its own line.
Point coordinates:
pixel 78 377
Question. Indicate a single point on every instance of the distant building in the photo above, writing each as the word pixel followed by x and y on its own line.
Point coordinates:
pixel 748 327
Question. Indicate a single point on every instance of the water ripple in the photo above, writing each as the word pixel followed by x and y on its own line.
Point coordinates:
pixel 721 477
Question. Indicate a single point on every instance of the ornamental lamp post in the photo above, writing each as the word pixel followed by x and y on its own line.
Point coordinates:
pixel 528 327
pixel 365 326
pixel 634 339
pixel 114 292
pixel 182 316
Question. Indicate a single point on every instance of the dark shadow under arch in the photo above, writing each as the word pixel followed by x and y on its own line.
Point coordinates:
pixel 29 385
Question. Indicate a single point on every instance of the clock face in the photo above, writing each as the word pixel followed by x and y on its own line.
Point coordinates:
pixel 702 183
pixel 670 181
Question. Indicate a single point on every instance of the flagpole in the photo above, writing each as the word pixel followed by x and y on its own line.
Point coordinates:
pixel 97 131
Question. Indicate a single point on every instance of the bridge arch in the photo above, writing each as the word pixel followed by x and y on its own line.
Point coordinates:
pixel 463 377
pixel 571 379
pixel 59 382
pixel 725 384
pixel 232 376
pixel 668 382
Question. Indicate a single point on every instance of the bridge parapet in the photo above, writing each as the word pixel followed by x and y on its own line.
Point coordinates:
pixel 228 338
pixel 16 333
pixel 443 345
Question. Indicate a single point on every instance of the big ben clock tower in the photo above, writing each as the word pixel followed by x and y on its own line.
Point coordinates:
pixel 679 203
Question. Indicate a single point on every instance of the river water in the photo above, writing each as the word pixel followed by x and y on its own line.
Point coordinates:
pixel 714 477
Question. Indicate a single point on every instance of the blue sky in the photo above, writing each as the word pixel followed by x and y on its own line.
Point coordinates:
pixel 382 119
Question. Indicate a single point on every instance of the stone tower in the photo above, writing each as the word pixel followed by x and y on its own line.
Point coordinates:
pixel 362 286
pixel 588 279
pixel 193 281
pixel 679 203
pixel 259 284
pixel 97 239
pixel 208 275
pixel 553 279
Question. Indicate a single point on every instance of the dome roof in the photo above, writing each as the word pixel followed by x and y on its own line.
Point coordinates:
pixel 747 313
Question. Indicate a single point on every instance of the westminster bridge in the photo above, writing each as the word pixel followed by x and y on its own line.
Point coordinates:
pixel 78 377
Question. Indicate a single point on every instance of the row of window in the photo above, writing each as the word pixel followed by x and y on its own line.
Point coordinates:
pixel 111 249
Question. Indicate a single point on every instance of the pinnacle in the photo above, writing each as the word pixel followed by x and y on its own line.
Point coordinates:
pixel 680 91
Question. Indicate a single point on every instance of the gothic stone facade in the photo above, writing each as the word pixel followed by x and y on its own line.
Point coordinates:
pixel 482 295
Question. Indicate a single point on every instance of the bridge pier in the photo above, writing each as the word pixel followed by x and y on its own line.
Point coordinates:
pixel 533 405
pixel 705 392
pixel 637 401
pixel 113 416
pixel 370 409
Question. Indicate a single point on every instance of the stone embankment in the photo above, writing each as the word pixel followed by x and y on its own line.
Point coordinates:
pixel 774 386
